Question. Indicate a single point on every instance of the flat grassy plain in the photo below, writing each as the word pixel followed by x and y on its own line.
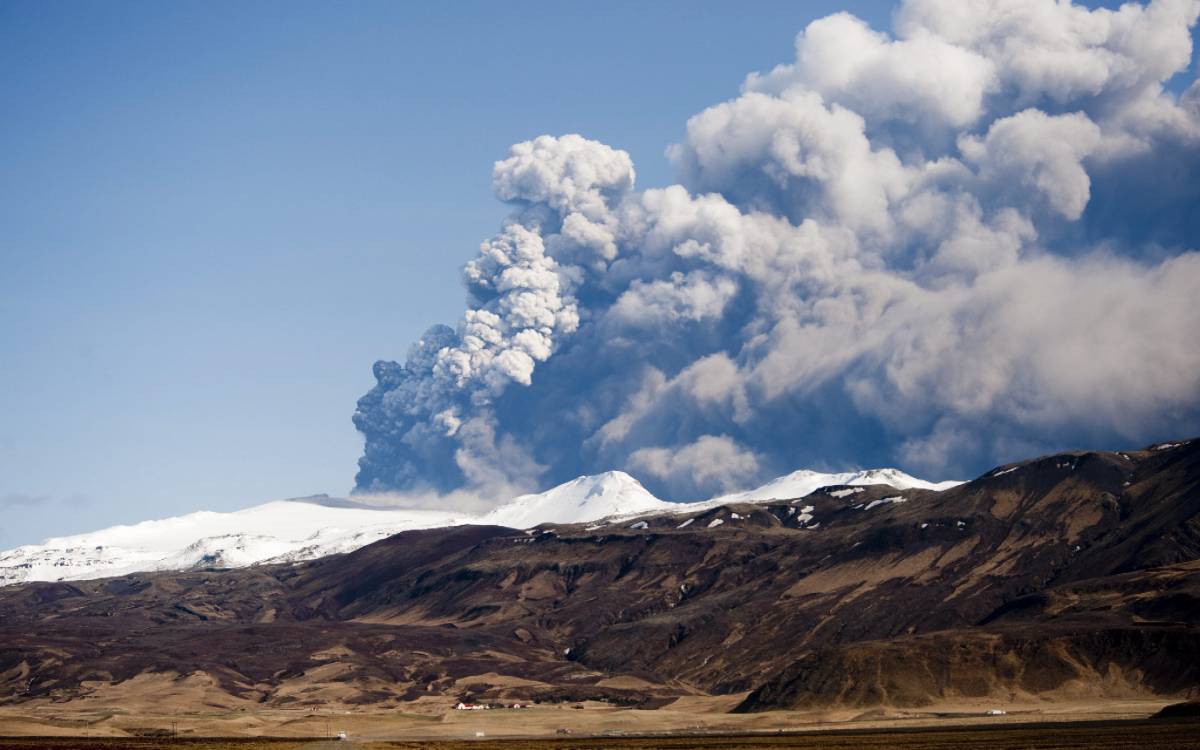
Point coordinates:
pixel 1108 735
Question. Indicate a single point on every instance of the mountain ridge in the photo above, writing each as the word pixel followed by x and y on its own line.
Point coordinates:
pixel 309 527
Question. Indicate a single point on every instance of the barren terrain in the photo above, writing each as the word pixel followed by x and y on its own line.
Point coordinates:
pixel 1063 587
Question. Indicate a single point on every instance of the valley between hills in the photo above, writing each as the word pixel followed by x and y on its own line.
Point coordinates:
pixel 1061 588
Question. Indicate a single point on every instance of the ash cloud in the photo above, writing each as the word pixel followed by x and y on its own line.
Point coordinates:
pixel 963 241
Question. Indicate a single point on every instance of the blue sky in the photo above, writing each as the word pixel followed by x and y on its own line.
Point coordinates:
pixel 215 216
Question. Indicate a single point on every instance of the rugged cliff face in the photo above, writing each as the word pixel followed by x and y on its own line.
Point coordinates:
pixel 1075 574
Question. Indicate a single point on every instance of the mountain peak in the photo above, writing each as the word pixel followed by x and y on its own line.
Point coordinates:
pixel 586 498
pixel 611 478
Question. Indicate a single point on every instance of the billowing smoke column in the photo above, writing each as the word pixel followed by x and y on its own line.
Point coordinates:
pixel 970 241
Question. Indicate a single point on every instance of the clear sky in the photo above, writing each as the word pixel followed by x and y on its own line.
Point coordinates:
pixel 215 216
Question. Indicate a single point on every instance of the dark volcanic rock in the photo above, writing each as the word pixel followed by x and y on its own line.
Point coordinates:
pixel 1185 710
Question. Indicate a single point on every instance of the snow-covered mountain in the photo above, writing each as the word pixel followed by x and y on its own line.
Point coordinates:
pixel 306 528
pixel 276 531
pixel 301 529
pixel 804 482
pixel 583 499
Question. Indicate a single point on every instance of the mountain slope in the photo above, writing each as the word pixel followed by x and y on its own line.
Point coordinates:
pixel 1068 576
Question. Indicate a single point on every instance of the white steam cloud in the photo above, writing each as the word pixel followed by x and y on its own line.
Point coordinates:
pixel 945 247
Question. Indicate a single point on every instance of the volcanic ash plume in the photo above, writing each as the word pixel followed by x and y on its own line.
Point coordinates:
pixel 964 241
